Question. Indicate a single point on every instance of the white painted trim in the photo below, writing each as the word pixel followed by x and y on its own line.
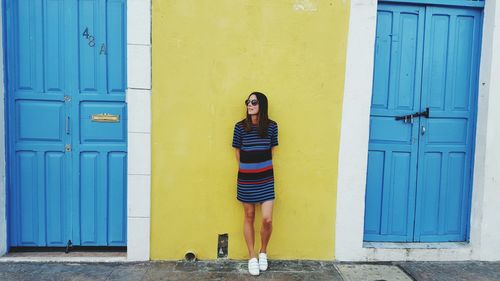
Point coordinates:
pixel 353 151
pixel 3 194
pixel 486 182
pixel 485 241
pixel 139 129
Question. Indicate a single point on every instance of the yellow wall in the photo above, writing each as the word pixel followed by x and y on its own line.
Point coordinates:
pixel 207 57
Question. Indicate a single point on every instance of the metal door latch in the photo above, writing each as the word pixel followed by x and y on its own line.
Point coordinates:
pixel 423 130
pixel 409 118
pixel 67 147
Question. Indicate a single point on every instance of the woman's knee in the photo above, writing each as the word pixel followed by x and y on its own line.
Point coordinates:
pixel 249 215
pixel 267 221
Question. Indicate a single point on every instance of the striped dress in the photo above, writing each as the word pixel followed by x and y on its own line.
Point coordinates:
pixel 255 174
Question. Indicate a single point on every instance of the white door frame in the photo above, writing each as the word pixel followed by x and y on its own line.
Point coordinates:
pixel 484 227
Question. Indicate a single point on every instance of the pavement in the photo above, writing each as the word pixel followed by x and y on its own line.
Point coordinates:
pixel 236 270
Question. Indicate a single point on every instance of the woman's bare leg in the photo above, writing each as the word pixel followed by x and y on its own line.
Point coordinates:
pixel 267 224
pixel 248 230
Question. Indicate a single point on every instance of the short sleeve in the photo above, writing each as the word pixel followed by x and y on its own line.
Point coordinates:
pixel 274 135
pixel 237 136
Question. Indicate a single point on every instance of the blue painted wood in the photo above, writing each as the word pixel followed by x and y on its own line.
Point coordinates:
pixel 392 156
pixel 38 178
pixel 57 78
pixel 449 89
pixel 419 186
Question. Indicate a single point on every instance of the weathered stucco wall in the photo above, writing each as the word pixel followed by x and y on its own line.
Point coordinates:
pixel 207 57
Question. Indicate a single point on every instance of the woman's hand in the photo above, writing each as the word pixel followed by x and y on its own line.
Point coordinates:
pixel 238 155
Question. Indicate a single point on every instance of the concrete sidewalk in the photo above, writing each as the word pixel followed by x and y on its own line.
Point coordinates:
pixel 236 270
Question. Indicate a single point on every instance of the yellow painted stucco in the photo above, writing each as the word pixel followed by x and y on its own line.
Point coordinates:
pixel 207 57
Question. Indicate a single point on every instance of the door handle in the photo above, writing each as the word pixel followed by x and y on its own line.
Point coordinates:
pixel 67 125
pixel 423 130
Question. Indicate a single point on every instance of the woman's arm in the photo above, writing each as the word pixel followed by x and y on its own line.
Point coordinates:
pixel 238 155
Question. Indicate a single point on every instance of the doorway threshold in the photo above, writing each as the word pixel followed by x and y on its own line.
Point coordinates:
pixel 77 256
pixel 441 245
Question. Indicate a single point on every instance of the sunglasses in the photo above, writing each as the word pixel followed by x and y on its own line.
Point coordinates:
pixel 253 102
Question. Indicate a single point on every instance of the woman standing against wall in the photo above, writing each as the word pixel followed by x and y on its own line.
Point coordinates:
pixel 254 139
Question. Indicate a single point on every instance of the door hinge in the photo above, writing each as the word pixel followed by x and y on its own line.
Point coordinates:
pixel 67 147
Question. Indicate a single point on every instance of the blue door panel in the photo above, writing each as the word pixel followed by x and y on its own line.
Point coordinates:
pixel 400 173
pixel 117 177
pixel 116 34
pixel 389 210
pixel 374 189
pixel 66 64
pixel 446 131
pixel 43 111
pixel 57 216
pixel 89 174
pixel 102 91
pixel 404 71
pixel 456 194
pixel 91 72
pixel 466 29
pixel 419 170
pixel 54 51
pixel 393 132
pixel 450 130
pixel 380 96
pixel 396 79
pixel 30 45
pixel 442 209
pixel 27 190
pixel 432 168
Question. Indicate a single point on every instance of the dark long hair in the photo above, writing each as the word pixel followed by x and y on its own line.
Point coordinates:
pixel 263 116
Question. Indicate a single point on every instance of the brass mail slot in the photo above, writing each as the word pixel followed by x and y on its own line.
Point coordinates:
pixel 105 117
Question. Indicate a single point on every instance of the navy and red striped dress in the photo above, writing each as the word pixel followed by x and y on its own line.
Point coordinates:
pixel 255 174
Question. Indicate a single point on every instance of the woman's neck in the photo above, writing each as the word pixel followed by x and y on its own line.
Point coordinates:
pixel 255 119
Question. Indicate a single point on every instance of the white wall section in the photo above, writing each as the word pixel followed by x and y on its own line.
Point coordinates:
pixel 353 151
pixel 485 226
pixel 139 128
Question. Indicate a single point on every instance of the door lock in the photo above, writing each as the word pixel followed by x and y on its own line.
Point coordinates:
pixel 409 118
pixel 67 147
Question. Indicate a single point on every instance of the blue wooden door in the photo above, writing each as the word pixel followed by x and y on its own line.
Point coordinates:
pixel 392 156
pixel 449 90
pixel 419 168
pixel 67 145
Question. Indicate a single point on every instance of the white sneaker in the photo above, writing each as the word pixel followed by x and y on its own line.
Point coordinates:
pixel 263 261
pixel 253 266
